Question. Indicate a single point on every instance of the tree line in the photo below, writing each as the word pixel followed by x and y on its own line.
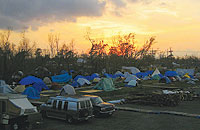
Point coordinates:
pixel 108 57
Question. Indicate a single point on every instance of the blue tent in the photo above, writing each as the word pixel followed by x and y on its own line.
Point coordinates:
pixel 93 76
pixel 79 76
pixel 75 84
pixel 63 78
pixel 88 78
pixel 63 72
pixel 39 86
pixel 149 72
pixel 30 80
pixel 31 93
pixel 119 75
pixel 141 74
pixel 165 79
pixel 110 75
pixel 171 73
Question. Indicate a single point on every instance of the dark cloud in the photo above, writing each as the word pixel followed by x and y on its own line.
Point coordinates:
pixel 22 13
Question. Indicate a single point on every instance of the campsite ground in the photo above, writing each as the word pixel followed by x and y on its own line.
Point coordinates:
pixel 136 121
pixel 124 120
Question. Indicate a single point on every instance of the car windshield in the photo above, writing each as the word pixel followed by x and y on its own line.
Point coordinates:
pixel 97 100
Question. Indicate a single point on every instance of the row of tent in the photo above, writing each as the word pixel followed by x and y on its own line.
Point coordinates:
pixel 36 85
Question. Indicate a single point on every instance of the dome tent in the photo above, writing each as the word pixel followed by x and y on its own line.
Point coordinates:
pixel 31 93
pixel 83 81
pixel 132 83
pixel 5 88
pixel 67 90
pixel 156 72
pixel 105 84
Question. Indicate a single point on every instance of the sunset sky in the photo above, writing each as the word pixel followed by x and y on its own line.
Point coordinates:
pixel 174 23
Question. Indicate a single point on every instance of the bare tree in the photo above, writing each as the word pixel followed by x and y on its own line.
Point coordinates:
pixel 51 44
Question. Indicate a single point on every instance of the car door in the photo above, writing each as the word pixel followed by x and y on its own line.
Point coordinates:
pixel 51 112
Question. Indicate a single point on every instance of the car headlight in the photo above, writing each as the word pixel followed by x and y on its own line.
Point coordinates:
pixel 103 109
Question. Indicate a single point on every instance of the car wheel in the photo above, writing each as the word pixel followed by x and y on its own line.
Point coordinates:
pixel 14 126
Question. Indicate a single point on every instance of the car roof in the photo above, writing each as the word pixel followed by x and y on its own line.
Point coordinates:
pixel 70 98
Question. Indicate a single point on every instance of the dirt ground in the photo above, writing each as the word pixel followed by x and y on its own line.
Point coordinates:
pixel 123 120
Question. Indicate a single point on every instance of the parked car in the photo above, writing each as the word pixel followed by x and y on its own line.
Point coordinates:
pixel 73 108
pixel 16 112
pixel 100 107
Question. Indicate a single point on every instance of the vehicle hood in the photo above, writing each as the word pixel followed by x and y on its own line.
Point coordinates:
pixel 105 104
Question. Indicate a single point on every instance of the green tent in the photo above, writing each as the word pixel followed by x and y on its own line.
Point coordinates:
pixel 105 84
pixel 156 77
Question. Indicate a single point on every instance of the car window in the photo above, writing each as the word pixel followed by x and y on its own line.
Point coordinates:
pixel 72 106
pixel 54 104
pixel 59 105
pixel 65 105
pixel 97 100
pixel 82 104
pixel 49 101
pixel 88 104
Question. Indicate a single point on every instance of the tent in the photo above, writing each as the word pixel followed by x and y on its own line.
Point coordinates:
pixel 83 81
pixel 110 75
pixel 74 84
pixel 39 86
pixel 96 80
pixel 29 80
pixel 156 77
pixel 130 77
pixel 133 70
pixel 2 82
pixel 6 89
pixel 165 79
pixel 47 80
pixel 156 72
pixel 171 73
pixel 105 84
pixel 141 75
pixel 31 93
pixel 126 74
pixel 132 83
pixel 63 78
pixel 67 90
pixel 20 88
pixel 119 74
pixel 182 72
pixel 78 76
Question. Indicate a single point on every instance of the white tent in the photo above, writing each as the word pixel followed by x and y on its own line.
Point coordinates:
pixel 156 72
pixel 2 82
pixel 119 72
pixel 133 70
pixel 83 81
pixel 132 83
pixel 126 74
pixel 67 90
pixel 6 89
pixel 130 77
pixel 47 80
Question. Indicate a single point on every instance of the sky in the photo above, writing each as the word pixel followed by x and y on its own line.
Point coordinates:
pixel 174 23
